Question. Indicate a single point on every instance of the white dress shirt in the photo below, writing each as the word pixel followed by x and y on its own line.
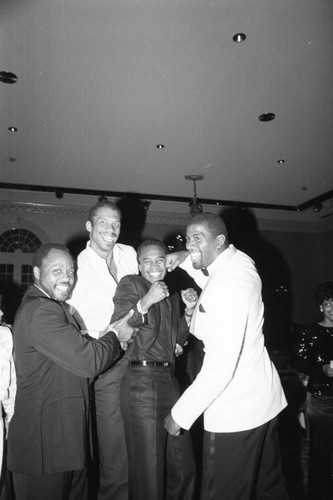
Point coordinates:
pixel 238 387
pixel 92 298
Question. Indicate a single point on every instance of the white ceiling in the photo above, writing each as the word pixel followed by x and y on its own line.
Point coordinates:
pixel 102 82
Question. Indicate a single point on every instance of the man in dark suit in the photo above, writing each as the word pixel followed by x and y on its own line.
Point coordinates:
pixel 48 436
pixel 160 467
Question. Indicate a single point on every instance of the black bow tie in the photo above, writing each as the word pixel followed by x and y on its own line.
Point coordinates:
pixel 205 271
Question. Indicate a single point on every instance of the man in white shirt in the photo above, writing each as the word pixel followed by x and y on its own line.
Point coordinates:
pixel 238 389
pixel 100 267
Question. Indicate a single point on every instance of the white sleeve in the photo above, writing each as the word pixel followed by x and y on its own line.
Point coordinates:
pixel 196 274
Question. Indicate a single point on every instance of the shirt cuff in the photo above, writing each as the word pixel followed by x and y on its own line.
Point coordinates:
pixel 138 306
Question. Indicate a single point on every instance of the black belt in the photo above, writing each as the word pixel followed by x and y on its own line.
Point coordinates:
pixel 154 364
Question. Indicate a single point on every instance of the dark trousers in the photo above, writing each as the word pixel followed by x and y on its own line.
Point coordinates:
pixel 71 485
pixel 113 463
pixel 320 418
pixel 161 467
pixel 243 465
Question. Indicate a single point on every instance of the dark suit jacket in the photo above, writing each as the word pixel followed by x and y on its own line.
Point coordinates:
pixel 129 291
pixel 49 429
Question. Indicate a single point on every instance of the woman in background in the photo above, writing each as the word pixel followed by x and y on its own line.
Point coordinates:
pixel 7 388
pixel 314 358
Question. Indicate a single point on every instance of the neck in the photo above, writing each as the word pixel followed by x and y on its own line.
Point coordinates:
pixel 105 254
pixel 326 323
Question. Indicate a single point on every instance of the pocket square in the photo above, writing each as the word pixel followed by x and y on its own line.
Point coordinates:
pixel 201 309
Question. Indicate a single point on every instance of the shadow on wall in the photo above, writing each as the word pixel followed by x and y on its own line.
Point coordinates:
pixel 12 295
pixel 273 271
pixel 134 213
pixel 76 244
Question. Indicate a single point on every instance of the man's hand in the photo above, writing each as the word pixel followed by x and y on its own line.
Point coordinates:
pixel 178 350
pixel 124 330
pixel 171 425
pixel 172 260
pixel 190 298
pixel 157 292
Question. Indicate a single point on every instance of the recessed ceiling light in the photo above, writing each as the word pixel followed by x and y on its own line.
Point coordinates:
pixel 7 77
pixel 281 161
pixel 12 129
pixel 160 146
pixel 267 117
pixel 239 37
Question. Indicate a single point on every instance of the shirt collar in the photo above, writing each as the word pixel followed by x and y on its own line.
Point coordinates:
pixel 222 258
pixel 47 295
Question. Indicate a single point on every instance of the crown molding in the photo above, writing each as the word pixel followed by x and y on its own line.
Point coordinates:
pixel 168 217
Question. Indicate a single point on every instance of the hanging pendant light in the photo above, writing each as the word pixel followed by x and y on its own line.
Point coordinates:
pixel 195 206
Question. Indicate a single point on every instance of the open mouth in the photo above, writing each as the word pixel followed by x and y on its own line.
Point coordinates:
pixel 63 288
pixel 195 256
pixel 156 275
pixel 109 239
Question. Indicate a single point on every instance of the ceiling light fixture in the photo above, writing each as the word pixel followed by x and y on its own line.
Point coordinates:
pixel 239 37
pixel 7 77
pixel 12 129
pixel 160 146
pixel 266 117
pixel 195 207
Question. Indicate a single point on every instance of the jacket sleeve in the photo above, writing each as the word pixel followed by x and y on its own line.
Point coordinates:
pixel 129 291
pixel 58 339
pixel 126 298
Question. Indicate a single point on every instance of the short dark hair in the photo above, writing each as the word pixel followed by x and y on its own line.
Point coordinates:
pixel 150 243
pixel 323 292
pixel 214 223
pixel 42 252
pixel 102 203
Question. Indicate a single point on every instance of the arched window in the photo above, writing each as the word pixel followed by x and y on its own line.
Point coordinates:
pixel 22 239
pixel 16 249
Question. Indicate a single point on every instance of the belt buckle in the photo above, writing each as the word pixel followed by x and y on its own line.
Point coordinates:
pixel 166 364
pixel 144 363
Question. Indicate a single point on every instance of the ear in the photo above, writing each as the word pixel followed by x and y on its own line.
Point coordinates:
pixel 36 272
pixel 88 226
pixel 220 240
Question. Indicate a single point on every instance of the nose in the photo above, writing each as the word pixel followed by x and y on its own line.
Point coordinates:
pixel 189 244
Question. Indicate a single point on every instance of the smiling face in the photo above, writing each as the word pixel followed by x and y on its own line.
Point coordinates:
pixel 56 275
pixel 104 231
pixel 327 309
pixel 202 246
pixel 152 263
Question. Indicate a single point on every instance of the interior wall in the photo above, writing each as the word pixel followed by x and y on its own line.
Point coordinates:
pixel 326 245
pixel 303 256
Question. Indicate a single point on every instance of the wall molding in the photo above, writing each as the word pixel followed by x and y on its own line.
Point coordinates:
pixel 171 218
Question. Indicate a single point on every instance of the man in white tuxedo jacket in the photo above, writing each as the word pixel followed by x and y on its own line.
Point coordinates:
pixel 238 388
